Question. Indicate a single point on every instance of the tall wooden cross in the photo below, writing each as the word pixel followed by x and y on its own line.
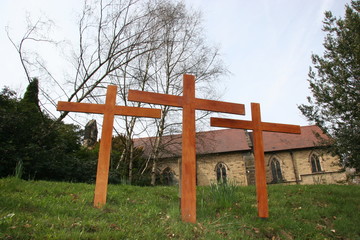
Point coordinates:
pixel 109 109
pixel 258 127
pixel 189 104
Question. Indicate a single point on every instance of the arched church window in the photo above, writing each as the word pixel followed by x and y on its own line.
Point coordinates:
pixel 221 173
pixel 276 171
pixel 315 163
pixel 168 176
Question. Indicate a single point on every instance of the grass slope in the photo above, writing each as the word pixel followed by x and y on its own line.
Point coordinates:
pixel 54 210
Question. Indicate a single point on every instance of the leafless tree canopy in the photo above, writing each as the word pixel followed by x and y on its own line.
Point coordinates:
pixel 143 45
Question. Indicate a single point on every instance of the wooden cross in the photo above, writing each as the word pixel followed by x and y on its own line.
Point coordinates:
pixel 189 104
pixel 258 127
pixel 109 109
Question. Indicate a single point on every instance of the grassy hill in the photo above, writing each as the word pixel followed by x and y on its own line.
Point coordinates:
pixel 57 210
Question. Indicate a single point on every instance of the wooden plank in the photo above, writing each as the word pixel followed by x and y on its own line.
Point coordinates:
pixel 260 172
pixel 264 126
pixel 176 101
pixel 102 174
pixel 155 98
pixel 230 123
pixel 188 161
pixel 277 127
pixel 219 106
pixel 137 111
pixel 80 107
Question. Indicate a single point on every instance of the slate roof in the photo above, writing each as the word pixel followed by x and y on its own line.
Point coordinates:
pixel 234 140
pixel 228 140
pixel 284 141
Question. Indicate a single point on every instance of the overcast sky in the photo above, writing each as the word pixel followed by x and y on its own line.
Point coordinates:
pixel 266 44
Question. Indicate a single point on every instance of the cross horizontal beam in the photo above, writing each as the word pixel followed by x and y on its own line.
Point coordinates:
pixel 155 98
pixel 219 106
pixel 264 126
pixel 177 101
pixel 80 107
pixel 102 108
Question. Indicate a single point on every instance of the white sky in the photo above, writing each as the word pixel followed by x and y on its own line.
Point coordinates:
pixel 266 44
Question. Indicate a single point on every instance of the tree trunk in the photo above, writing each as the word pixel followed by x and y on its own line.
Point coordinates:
pixel 153 173
pixel 131 162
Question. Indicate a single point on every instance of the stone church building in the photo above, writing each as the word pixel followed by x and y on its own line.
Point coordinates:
pixel 226 155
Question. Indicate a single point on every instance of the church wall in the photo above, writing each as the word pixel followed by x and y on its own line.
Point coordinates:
pixel 328 163
pixel 236 170
pixel 173 165
pixel 286 164
pixel 206 168
pixel 324 178
pixel 302 162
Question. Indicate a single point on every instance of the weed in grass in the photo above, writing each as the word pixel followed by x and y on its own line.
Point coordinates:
pixel 223 194
pixel 19 169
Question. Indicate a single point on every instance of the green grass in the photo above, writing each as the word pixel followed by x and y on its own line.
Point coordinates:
pixel 54 210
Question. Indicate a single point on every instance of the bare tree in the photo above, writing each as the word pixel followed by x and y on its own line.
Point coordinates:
pixel 184 50
pixel 111 34
pixel 143 45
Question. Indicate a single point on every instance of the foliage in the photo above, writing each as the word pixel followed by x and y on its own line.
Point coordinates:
pixel 54 210
pixel 36 147
pixel 31 96
pixel 223 194
pixel 119 167
pixel 335 85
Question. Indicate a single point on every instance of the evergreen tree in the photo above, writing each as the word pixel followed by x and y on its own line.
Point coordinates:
pixel 44 148
pixel 31 95
pixel 335 85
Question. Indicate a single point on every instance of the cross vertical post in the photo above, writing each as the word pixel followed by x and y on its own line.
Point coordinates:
pixel 188 162
pixel 260 173
pixel 102 173
pixel 258 127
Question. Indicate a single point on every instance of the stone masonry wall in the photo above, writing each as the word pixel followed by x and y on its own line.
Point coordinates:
pixel 324 178
pixel 235 168
pixel 301 159
pixel 206 164
pixel 295 166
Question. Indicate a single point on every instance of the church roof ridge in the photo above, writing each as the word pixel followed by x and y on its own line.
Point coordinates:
pixel 232 140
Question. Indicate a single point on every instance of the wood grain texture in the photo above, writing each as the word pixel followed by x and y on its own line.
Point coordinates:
pixel 260 171
pixel 219 106
pixel 188 159
pixel 177 101
pixel 277 127
pixel 155 98
pixel 102 173
pixel 230 123
pixel 80 107
pixel 137 111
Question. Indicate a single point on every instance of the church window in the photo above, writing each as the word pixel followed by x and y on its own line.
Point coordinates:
pixel 315 163
pixel 276 171
pixel 221 173
pixel 168 176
